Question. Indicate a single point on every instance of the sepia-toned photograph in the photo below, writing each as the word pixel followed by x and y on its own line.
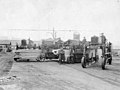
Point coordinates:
pixel 59 44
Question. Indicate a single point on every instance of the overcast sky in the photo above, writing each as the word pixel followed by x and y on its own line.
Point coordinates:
pixel 90 17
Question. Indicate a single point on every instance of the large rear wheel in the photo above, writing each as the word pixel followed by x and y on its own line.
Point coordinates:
pixel 83 62
pixel 110 61
pixel 103 63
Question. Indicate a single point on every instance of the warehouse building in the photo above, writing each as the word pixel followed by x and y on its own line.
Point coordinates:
pixel 4 45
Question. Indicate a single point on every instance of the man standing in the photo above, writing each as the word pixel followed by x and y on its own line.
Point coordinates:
pixel 61 55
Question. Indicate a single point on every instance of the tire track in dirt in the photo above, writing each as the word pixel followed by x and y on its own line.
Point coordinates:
pixel 111 75
pixel 38 77
pixel 95 71
pixel 6 62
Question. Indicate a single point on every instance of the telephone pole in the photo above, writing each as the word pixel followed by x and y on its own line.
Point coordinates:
pixel 54 35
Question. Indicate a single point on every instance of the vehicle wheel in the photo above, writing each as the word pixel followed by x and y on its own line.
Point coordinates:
pixel 83 62
pixel 103 63
pixel 110 61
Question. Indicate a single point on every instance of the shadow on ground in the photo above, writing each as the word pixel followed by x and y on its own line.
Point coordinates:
pixel 6 63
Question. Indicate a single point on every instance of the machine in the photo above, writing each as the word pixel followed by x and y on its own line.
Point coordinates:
pixel 97 52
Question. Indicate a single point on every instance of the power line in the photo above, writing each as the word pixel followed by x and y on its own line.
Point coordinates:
pixel 40 30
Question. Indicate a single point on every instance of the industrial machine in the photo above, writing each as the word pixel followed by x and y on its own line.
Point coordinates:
pixel 26 55
pixel 97 51
pixel 77 53
pixel 48 55
pixel 65 56
pixel 70 55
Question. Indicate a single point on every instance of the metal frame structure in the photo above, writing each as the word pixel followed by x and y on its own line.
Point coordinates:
pixel 91 55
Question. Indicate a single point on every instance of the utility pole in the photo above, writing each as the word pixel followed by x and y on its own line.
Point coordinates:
pixel 54 35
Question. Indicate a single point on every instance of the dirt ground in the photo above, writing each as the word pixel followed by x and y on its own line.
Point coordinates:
pixel 54 76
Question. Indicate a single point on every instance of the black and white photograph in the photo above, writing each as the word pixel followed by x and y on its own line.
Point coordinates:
pixel 59 44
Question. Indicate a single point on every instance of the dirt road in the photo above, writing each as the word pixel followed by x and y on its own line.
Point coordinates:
pixel 52 76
